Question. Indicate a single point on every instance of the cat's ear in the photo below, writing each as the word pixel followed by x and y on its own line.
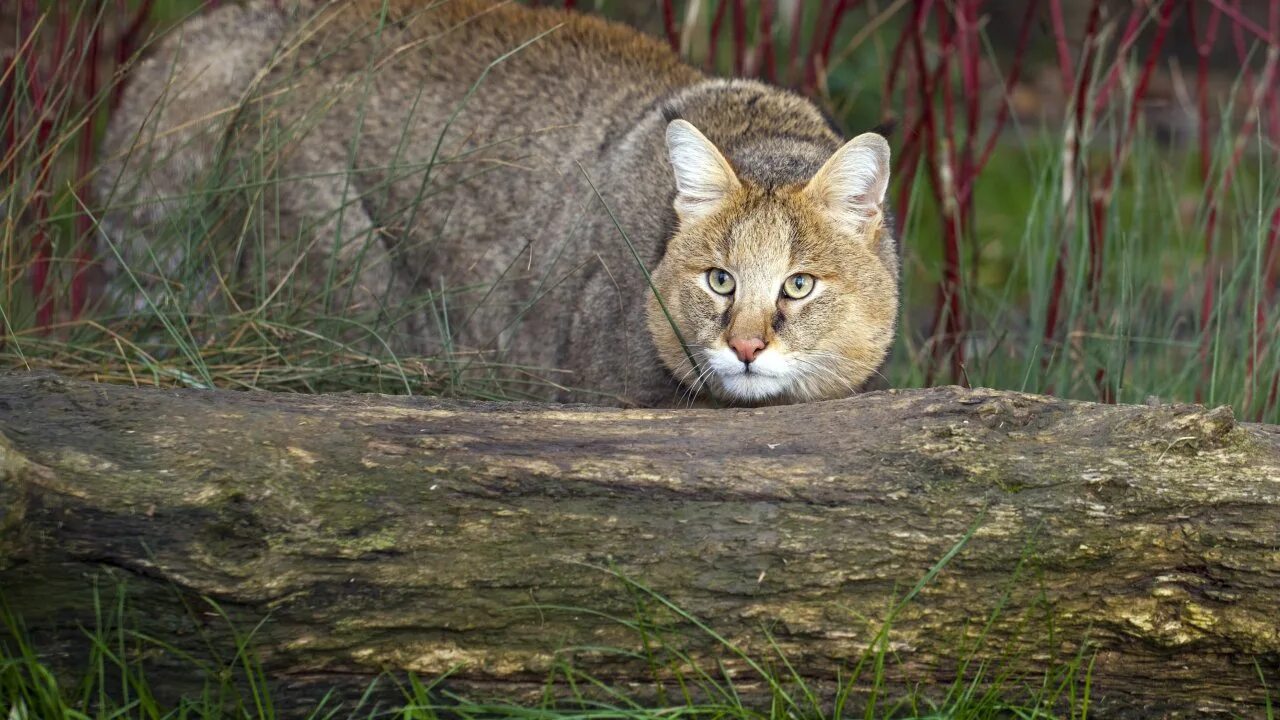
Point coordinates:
pixel 703 176
pixel 853 182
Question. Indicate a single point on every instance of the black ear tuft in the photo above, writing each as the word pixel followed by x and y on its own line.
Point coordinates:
pixel 669 113
pixel 886 127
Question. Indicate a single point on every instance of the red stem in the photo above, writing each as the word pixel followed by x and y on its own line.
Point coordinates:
pixel 1208 298
pixel 824 35
pixel 1271 396
pixel 948 311
pixel 739 36
pixel 1273 102
pixel 669 23
pixel 970 55
pixel 713 44
pixel 42 250
pixel 1102 198
pixel 1011 80
pixel 907 161
pixel 1054 310
pixel 1127 40
pixel 1260 330
pixel 1060 42
pixel 1273 257
pixel 9 90
pixel 1144 80
pixel 84 224
pixel 896 66
pixel 1204 47
pixel 766 40
pixel 793 49
pixel 1242 52
pixel 1087 50
pixel 1240 20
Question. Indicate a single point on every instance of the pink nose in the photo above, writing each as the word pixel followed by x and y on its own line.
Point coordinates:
pixel 747 348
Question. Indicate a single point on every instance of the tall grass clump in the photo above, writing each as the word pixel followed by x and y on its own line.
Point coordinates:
pixel 1088 208
pixel 1144 264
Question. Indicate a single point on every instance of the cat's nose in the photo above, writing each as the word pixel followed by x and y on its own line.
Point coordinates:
pixel 747 348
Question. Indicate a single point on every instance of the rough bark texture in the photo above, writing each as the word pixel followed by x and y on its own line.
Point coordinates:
pixel 427 535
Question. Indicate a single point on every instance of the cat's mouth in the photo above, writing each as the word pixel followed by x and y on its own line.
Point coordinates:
pixel 768 377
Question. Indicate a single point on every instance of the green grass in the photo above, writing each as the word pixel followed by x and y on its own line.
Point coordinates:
pixel 1144 330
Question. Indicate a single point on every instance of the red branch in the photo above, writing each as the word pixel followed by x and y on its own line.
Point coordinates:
pixel 1273 257
pixel 1127 40
pixel 793 46
pixel 1071 168
pixel 1060 42
pixel 41 247
pixel 824 33
pixel 84 224
pixel 765 40
pixel 1208 298
pixel 717 21
pixel 1011 81
pixel 1204 47
pixel 1100 201
pixel 669 24
pixel 1242 21
pixel 1273 95
pixel 739 37
pixel 1103 196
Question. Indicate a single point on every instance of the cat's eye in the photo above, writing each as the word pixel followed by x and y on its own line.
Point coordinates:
pixel 721 281
pixel 798 286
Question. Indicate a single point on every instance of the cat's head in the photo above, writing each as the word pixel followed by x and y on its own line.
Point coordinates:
pixel 780 294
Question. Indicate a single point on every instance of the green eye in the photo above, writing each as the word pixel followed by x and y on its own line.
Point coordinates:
pixel 798 286
pixel 721 281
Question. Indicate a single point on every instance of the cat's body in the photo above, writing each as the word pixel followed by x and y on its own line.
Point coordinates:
pixel 516 112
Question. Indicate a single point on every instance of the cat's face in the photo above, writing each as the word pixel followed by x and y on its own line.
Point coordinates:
pixel 778 296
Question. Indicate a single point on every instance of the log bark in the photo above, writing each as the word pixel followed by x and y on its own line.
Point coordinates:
pixel 490 540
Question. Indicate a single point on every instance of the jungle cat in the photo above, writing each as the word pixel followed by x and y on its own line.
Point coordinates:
pixel 540 174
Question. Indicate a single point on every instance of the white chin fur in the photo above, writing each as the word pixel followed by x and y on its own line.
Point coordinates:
pixel 770 375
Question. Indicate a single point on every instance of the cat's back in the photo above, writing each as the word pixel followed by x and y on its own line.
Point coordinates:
pixel 394 63
pixel 501 100
pixel 402 89
pixel 472 33
pixel 537 63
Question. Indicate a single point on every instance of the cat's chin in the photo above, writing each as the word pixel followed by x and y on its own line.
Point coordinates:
pixel 768 380
pixel 752 387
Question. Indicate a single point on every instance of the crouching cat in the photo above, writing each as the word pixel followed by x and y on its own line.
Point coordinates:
pixel 564 191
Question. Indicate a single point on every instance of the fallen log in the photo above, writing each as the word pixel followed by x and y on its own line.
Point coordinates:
pixel 495 541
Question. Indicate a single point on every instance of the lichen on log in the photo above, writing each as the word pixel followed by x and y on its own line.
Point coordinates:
pixel 432 536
